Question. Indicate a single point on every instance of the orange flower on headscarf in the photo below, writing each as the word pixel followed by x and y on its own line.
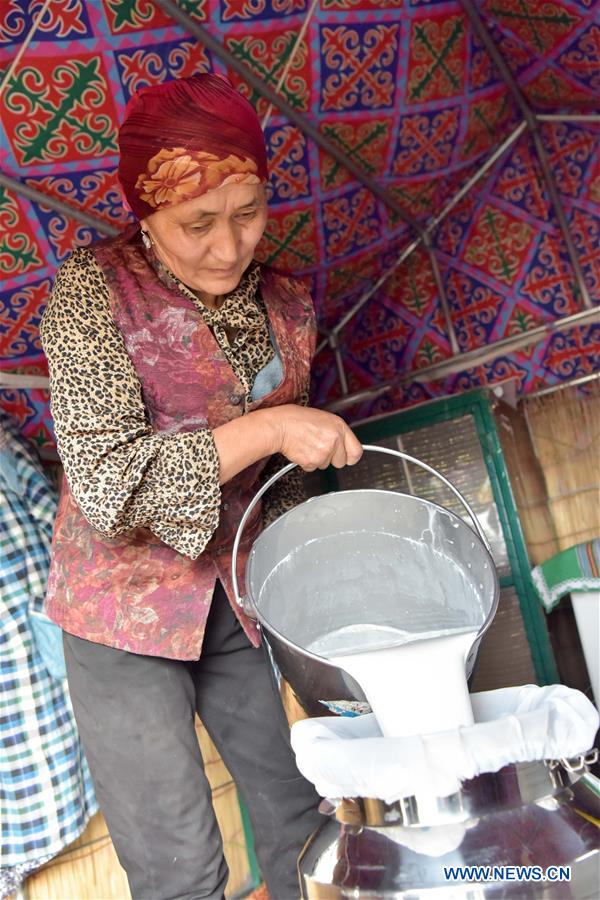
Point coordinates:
pixel 170 176
pixel 177 174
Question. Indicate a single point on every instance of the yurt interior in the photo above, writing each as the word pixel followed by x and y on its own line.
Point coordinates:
pixel 433 187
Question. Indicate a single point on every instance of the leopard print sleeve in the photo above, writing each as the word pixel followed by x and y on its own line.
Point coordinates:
pixel 284 494
pixel 121 473
pixel 289 491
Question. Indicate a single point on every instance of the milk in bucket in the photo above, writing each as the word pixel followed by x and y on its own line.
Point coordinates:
pixel 397 614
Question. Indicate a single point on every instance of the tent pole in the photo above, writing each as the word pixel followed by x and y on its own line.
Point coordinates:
pixel 290 59
pixel 19 187
pixel 562 220
pixel 28 38
pixel 568 117
pixel 469 359
pixel 489 162
pixel 339 362
pixel 370 291
pixel 575 382
pixel 476 21
pixel 16 381
pixel 441 290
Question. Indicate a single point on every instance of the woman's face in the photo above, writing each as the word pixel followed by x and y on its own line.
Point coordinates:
pixel 209 241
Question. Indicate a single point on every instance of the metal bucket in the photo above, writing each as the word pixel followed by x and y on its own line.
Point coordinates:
pixel 355 556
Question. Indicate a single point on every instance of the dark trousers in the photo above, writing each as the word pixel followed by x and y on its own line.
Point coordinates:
pixel 136 719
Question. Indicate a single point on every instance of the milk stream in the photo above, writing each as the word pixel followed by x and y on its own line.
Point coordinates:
pixel 415 683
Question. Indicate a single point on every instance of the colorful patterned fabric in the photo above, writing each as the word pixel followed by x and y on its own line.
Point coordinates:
pixel 575 569
pixel 185 137
pixel 141 522
pixel 408 90
pixel 46 794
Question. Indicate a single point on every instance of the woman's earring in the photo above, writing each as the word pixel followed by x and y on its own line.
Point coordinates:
pixel 146 240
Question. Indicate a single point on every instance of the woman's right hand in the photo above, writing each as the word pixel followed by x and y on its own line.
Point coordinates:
pixel 313 438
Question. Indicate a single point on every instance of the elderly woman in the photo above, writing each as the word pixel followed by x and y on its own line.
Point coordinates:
pixel 179 368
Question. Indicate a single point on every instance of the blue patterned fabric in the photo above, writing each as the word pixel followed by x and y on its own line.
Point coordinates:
pixel 46 794
pixel 269 376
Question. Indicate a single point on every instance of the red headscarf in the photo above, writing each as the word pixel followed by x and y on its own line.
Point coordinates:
pixel 183 138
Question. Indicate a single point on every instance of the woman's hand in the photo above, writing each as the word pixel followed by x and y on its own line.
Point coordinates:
pixel 309 437
pixel 313 438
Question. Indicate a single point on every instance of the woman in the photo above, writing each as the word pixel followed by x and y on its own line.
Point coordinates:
pixel 178 368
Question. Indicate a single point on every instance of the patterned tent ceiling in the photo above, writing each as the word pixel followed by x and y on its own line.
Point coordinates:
pixel 412 91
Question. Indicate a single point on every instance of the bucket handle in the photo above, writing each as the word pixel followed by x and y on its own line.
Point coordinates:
pixel 399 454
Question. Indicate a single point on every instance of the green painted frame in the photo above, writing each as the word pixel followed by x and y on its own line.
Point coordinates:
pixel 477 403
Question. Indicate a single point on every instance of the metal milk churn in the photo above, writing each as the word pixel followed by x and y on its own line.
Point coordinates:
pixel 349 557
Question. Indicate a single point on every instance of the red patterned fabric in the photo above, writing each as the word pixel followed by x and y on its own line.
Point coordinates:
pixel 405 88
pixel 183 138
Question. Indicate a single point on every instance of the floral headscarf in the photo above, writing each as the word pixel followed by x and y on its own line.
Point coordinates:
pixel 183 138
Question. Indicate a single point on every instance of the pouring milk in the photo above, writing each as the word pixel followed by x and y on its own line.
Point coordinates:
pixel 415 682
pixel 399 615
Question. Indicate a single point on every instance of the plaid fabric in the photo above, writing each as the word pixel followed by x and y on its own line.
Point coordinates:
pixel 46 794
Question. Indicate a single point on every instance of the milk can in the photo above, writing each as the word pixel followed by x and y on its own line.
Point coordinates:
pixel 530 830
